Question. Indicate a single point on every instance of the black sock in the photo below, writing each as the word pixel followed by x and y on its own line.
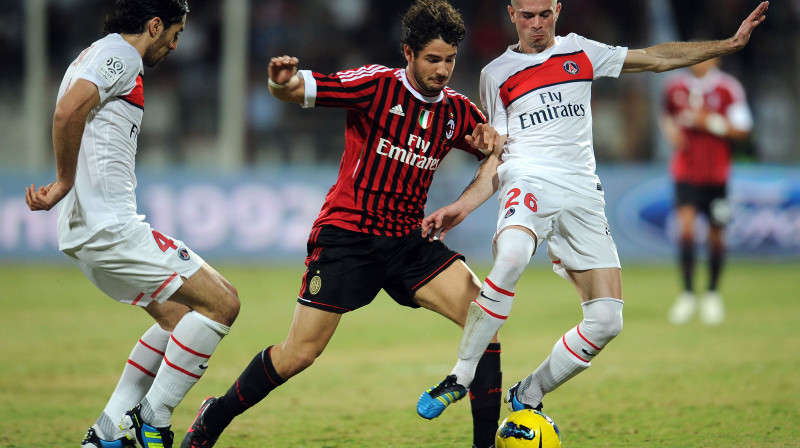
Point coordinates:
pixel 256 381
pixel 715 262
pixel 485 396
pixel 687 265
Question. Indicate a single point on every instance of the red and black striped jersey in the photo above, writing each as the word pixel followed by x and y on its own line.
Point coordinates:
pixel 395 139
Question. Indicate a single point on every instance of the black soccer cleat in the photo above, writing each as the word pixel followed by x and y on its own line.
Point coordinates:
pixel 198 435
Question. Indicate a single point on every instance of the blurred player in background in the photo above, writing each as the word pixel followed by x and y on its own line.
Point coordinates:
pixel 705 109
pixel 400 124
pixel 97 120
pixel 538 97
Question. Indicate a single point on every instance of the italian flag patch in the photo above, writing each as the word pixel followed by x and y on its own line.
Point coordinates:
pixel 425 119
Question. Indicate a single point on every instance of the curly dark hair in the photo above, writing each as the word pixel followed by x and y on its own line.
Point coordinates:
pixel 427 20
pixel 131 16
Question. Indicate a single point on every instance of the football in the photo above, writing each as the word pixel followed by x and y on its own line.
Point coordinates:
pixel 528 428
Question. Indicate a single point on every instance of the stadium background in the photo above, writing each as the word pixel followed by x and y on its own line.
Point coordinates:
pixel 240 176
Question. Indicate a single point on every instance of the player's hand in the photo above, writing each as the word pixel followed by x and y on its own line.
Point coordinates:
pixel 755 18
pixel 45 197
pixel 484 138
pixel 282 68
pixel 438 223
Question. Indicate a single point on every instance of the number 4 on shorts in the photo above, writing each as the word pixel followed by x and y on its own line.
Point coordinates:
pixel 163 242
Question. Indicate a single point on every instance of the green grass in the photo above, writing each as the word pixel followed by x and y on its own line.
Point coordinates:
pixel 737 385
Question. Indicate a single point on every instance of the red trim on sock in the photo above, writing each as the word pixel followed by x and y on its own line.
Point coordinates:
pixel 499 289
pixel 186 372
pixel 151 347
pixel 587 341
pixel 564 340
pixel 145 371
pixel 266 371
pixel 495 315
pixel 188 349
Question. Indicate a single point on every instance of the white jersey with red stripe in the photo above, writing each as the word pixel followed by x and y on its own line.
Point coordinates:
pixel 103 196
pixel 542 102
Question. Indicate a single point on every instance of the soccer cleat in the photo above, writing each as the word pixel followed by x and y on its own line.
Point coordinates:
pixel 712 309
pixel 198 435
pixel 93 440
pixel 433 401
pixel 146 436
pixel 513 402
pixel 683 309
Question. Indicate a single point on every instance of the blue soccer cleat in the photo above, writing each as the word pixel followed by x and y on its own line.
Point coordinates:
pixel 146 436
pixel 513 402
pixel 433 401
pixel 93 440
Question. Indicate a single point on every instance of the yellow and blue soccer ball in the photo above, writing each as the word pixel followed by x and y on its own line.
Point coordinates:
pixel 528 428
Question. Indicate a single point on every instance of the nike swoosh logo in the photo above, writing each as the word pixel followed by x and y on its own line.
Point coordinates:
pixel 584 351
pixel 488 298
pixel 510 88
pixel 203 366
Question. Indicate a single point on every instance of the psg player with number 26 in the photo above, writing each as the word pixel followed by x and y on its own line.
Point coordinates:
pixel 400 124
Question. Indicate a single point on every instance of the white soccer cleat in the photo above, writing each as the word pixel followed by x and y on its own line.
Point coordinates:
pixel 712 309
pixel 683 309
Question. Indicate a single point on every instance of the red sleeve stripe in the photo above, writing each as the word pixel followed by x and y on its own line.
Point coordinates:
pixel 495 315
pixel 202 355
pixel 151 347
pixel 138 298
pixel 552 72
pixel 179 369
pixel 145 371
pixel 499 289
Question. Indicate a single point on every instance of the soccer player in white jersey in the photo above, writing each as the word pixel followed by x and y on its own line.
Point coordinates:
pixel 538 95
pixel 95 127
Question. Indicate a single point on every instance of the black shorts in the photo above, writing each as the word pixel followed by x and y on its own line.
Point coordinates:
pixel 347 269
pixel 708 199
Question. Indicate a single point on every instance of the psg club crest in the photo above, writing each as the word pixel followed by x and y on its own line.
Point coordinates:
pixel 425 119
pixel 183 254
pixel 510 212
pixel 571 67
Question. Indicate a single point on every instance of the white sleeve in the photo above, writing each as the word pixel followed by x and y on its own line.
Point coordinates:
pixel 307 78
pixel 606 59
pixel 496 114
pixel 113 70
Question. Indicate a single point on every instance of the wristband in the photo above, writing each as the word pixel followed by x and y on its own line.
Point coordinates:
pixel 275 85
pixel 716 124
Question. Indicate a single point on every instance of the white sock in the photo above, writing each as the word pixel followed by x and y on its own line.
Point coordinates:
pixel 192 342
pixel 572 354
pixel 489 311
pixel 136 379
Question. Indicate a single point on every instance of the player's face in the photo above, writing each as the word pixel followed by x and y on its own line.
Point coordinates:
pixel 430 70
pixel 166 43
pixel 536 23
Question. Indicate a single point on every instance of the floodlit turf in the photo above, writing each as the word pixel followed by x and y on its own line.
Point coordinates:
pixel 737 385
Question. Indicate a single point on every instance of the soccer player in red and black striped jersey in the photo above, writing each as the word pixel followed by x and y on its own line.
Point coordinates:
pixel 400 124
pixel 705 110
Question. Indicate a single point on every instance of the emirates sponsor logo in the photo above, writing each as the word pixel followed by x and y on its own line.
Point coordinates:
pixel 408 156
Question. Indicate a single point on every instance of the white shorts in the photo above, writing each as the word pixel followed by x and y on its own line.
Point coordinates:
pixel 574 226
pixel 136 266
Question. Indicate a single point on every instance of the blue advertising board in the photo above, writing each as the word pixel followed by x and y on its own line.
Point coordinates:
pixel 253 216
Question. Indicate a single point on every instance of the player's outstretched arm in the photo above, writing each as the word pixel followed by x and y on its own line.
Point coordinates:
pixel 284 84
pixel 482 187
pixel 672 55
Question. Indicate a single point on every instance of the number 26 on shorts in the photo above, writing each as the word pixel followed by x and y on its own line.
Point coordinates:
pixel 513 196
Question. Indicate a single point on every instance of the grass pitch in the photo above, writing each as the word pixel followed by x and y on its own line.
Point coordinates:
pixel 656 385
